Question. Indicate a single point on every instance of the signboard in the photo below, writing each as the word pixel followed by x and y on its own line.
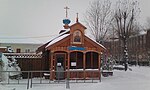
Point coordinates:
pixel 76 48
pixel 73 64
pixel 58 64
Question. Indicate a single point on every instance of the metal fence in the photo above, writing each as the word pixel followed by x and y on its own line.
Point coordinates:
pixel 44 78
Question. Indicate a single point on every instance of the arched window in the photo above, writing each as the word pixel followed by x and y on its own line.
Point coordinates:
pixel 76 60
pixel 91 60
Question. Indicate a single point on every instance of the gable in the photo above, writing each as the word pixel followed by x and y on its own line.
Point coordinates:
pixel 93 44
pixel 62 41
pixel 65 42
pixel 74 36
pixel 78 25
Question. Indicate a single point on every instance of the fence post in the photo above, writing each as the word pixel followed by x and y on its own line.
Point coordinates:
pixel 40 77
pixel 31 80
pixel 100 75
pixel 49 77
pixel 18 77
pixel 28 80
pixel 92 75
pixel 84 75
pixel 67 81
pixel 8 76
pixel 58 74
pixel 77 77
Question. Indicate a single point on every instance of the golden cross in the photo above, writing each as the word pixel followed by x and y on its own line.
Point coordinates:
pixel 66 11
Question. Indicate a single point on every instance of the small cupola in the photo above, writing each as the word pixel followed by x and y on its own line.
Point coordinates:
pixel 77 32
pixel 66 21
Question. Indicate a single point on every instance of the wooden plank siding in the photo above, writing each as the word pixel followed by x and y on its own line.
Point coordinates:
pixel 29 62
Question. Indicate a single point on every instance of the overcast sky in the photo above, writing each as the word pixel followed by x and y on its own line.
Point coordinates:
pixel 34 18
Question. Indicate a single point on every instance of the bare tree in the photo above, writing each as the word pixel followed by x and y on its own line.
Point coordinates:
pixel 147 26
pixel 125 21
pixel 98 18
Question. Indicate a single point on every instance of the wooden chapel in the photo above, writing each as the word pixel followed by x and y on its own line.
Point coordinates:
pixel 73 52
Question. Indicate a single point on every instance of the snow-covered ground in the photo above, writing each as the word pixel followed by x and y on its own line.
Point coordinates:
pixel 137 79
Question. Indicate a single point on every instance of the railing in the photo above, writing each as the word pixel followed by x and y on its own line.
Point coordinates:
pixel 22 55
pixel 44 78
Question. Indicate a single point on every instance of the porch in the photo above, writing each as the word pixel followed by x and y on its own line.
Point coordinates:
pixel 75 64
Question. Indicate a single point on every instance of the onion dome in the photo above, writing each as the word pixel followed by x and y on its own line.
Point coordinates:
pixel 66 21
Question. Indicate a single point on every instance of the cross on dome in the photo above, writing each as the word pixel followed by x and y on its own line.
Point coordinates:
pixel 66 8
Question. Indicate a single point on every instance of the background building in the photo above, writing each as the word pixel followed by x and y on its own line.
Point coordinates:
pixel 138 49
pixel 19 47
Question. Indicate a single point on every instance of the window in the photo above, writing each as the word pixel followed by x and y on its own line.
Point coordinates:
pixel 91 60
pixel 18 50
pixel 88 60
pixel 95 61
pixel 73 60
pixel 76 60
pixel 27 50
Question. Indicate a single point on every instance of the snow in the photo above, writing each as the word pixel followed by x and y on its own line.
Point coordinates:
pixel 3 47
pixel 3 76
pixel 63 35
pixel 46 74
pixel 57 39
pixel 137 79
pixel 9 66
pixel 14 69
pixel 142 32
pixel 20 40
pixel 5 62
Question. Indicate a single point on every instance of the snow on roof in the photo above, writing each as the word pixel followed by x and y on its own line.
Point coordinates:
pixel 21 40
pixel 142 32
pixel 63 35
pixel 59 37
pixel 53 40
pixel 66 30
pixel 3 47
pixel 96 42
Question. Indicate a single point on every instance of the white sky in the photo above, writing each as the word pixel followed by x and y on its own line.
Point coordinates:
pixel 32 18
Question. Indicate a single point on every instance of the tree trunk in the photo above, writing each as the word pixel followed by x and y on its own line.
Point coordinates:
pixel 125 53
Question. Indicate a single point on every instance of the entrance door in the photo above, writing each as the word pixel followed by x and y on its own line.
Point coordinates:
pixel 60 65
